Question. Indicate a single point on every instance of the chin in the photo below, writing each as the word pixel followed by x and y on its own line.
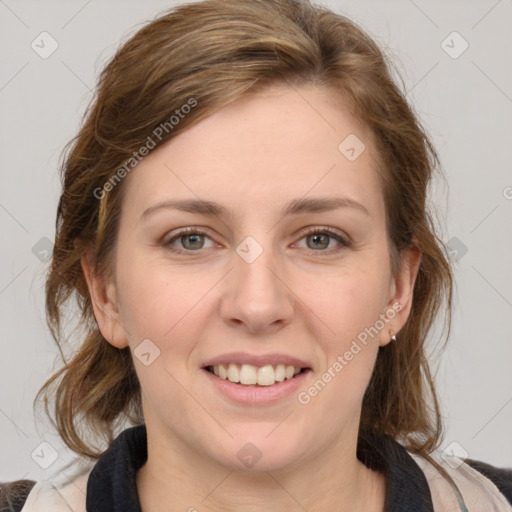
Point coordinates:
pixel 256 451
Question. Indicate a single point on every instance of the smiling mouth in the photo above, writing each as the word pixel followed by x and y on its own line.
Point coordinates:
pixel 250 375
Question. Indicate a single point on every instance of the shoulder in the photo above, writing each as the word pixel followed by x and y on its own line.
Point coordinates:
pixel 55 495
pixel 477 485
pixel 500 477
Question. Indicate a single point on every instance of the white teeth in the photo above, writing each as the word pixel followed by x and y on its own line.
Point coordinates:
pixel 266 375
pixel 233 373
pixel 280 373
pixel 289 372
pixel 248 374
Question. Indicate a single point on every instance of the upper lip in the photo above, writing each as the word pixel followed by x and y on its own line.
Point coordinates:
pixel 256 360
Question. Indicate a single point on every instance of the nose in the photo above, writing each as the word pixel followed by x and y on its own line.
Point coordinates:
pixel 256 296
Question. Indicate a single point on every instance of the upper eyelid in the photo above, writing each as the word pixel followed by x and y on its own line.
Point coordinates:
pixel 303 231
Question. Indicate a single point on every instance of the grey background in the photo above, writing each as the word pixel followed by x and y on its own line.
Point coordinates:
pixel 465 102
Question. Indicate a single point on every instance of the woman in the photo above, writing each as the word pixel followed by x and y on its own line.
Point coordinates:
pixel 243 221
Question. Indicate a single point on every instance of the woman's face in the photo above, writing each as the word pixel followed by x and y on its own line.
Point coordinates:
pixel 292 269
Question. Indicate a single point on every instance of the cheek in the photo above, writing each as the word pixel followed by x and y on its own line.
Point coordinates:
pixel 350 309
pixel 349 306
pixel 348 300
pixel 156 301
pixel 166 310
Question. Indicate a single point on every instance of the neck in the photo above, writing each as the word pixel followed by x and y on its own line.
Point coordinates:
pixel 178 480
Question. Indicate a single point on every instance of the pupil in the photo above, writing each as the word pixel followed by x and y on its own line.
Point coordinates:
pixel 316 238
pixel 192 245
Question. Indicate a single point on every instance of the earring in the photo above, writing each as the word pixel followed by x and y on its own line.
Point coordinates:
pixel 392 334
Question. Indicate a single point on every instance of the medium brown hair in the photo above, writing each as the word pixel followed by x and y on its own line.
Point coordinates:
pixel 212 53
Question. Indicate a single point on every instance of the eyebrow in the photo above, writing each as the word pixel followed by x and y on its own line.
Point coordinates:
pixel 294 207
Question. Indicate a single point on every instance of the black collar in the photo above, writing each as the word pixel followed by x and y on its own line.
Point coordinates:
pixel 111 486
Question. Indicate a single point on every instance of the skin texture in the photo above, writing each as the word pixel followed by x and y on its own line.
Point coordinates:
pixel 253 157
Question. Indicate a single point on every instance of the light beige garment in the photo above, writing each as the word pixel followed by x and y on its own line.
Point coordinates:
pixel 478 492
pixel 58 495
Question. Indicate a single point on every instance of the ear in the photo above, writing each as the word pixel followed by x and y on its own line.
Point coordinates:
pixel 401 292
pixel 103 294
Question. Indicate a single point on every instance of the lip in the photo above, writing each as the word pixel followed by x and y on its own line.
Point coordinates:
pixel 256 360
pixel 256 395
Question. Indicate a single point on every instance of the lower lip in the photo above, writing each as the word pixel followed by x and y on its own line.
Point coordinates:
pixel 257 395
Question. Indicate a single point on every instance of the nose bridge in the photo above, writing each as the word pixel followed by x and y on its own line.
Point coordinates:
pixel 256 295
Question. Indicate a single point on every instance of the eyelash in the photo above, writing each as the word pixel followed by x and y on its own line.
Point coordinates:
pixel 321 231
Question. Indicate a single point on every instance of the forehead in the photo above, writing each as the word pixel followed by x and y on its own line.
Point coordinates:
pixel 263 149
